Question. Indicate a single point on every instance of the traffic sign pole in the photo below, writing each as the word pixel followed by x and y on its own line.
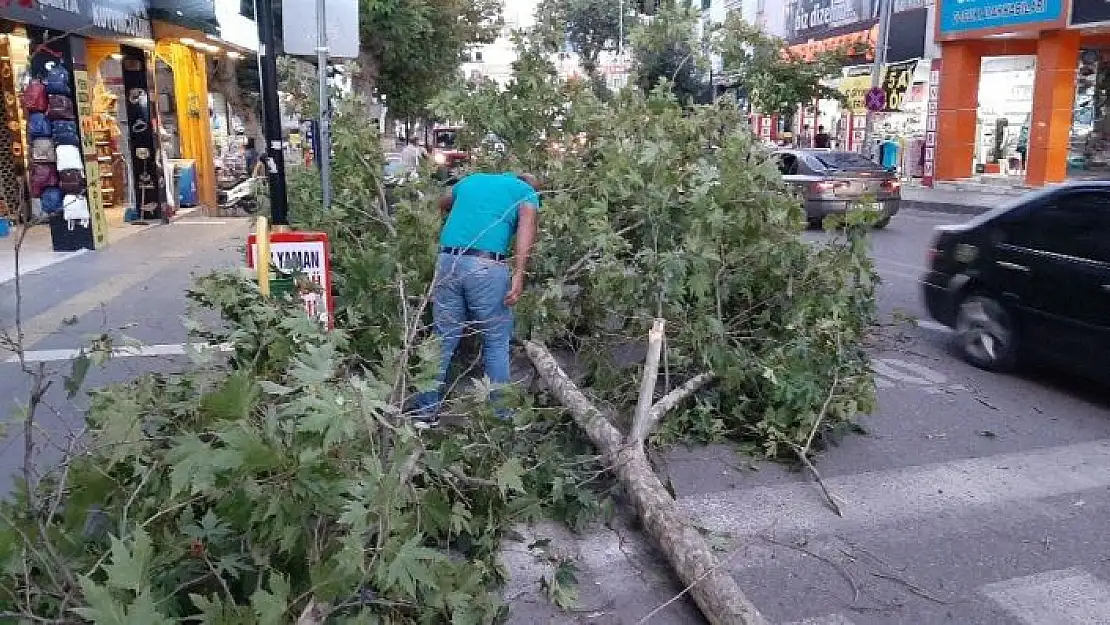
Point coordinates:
pixel 885 9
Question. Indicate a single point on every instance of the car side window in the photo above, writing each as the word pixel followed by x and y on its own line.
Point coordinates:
pixel 788 164
pixel 1072 224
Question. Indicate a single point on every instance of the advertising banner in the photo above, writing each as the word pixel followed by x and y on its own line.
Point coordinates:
pixel 89 18
pixel 959 17
pixel 929 158
pixel 1085 12
pixel 818 19
pixel 896 80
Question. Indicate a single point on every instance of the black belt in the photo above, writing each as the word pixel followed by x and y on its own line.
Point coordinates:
pixel 460 251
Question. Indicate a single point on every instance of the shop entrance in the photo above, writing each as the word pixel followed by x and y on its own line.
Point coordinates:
pixel 1003 118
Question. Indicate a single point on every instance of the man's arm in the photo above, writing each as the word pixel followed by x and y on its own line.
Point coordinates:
pixel 525 237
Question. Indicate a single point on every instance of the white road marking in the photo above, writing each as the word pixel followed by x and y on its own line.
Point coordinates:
pixel 1064 597
pixel 899 264
pixel 928 324
pixel 172 349
pixel 884 272
pixel 832 619
pixel 201 222
pixel 897 370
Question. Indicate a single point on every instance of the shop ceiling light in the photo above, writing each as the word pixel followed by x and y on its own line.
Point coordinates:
pixel 232 54
pixel 188 41
pixel 117 55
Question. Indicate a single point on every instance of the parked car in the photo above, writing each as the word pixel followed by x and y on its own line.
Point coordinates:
pixel 833 181
pixel 1030 278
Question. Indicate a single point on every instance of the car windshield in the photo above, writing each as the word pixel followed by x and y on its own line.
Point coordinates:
pixel 842 161
pixel 444 139
pixel 394 168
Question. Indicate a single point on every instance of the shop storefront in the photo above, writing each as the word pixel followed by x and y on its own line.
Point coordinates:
pixel 106 114
pixel 1024 90
pixel 819 26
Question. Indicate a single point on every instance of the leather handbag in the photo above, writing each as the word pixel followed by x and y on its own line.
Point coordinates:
pixel 51 201
pixel 71 181
pixel 34 97
pixel 65 133
pixel 43 175
pixel 38 126
pixel 60 107
pixel 57 80
pixel 42 150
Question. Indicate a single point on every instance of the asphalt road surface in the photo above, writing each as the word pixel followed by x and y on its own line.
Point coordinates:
pixel 973 499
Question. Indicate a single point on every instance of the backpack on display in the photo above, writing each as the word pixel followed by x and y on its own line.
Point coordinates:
pixel 34 97
pixel 42 151
pixel 71 181
pixel 65 133
pixel 75 208
pixel 38 126
pixel 43 175
pixel 57 80
pixel 60 107
pixel 69 158
pixel 51 200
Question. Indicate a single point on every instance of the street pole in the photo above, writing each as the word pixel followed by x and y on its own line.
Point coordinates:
pixel 271 114
pixel 325 102
pixel 620 35
pixel 885 9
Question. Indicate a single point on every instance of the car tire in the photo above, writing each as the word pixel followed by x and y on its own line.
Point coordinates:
pixel 986 334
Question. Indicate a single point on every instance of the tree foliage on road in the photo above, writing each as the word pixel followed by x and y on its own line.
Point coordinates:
pixel 776 80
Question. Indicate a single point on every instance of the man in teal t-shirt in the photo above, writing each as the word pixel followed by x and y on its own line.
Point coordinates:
pixel 474 283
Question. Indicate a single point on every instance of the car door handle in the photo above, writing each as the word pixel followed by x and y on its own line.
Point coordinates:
pixel 1106 288
pixel 1005 265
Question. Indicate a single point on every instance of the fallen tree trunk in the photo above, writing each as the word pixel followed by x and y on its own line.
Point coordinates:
pixel 711 586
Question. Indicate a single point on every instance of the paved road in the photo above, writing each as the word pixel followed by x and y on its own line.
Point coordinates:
pixel 973 499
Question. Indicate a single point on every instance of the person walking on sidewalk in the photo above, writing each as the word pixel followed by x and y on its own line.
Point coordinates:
pixel 474 282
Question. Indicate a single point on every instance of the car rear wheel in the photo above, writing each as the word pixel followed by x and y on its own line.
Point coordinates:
pixel 986 334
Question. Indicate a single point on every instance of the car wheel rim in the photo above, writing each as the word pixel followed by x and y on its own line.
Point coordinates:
pixel 983 334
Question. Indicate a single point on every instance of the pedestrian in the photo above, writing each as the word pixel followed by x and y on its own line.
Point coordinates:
pixel 412 154
pixel 805 140
pixel 250 156
pixel 822 139
pixel 474 282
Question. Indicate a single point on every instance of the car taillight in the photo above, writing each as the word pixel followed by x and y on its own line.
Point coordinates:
pixel 822 187
pixel 892 185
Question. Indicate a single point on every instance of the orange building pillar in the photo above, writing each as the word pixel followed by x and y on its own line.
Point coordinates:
pixel 957 109
pixel 1053 99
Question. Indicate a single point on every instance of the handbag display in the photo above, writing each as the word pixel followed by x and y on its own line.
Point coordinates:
pixel 51 200
pixel 43 175
pixel 39 126
pixel 57 80
pixel 69 158
pixel 42 151
pixel 60 107
pixel 65 133
pixel 76 209
pixel 71 181
pixel 34 97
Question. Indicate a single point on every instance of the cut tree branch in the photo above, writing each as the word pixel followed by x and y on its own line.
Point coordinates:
pixel 712 588
pixel 640 422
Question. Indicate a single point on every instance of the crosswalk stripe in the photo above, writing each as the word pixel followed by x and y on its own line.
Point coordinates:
pixel 1063 597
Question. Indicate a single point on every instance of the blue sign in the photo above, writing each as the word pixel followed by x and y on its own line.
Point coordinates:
pixel 964 16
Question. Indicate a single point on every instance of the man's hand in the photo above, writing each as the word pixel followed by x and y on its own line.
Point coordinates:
pixel 516 290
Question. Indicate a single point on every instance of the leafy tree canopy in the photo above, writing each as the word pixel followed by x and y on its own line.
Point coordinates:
pixel 776 80
pixel 590 27
pixel 669 48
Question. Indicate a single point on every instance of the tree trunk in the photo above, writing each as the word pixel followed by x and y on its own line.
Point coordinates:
pixel 709 583
pixel 222 79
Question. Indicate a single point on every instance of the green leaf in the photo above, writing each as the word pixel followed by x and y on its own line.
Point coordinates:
pixel 509 476
pixel 78 371
pixel 410 568
pixel 102 608
pixel 270 607
pixel 129 565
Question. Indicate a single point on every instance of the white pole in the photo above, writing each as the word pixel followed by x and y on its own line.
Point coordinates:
pixel 325 101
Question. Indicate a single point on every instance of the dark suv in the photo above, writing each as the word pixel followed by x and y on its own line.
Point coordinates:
pixel 1032 278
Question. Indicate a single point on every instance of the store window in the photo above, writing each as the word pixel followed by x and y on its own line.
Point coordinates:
pixel 1089 145
pixel 1005 109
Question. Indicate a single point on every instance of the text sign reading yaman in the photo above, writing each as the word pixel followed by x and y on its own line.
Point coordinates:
pixel 307 254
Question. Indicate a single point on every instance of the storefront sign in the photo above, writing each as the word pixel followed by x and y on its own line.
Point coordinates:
pixel 1086 12
pixel 306 253
pixel 95 18
pixel 931 114
pixel 896 81
pixel 907 39
pixel 817 19
pixel 958 17
pixel 99 221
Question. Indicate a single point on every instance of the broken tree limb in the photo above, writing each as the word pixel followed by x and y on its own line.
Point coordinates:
pixel 669 401
pixel 713 589
pixel 647 383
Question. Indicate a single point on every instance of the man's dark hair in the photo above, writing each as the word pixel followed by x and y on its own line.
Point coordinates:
pixel 414 140
pixel 820 129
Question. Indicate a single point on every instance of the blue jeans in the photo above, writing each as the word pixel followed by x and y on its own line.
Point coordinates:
pixel 471 291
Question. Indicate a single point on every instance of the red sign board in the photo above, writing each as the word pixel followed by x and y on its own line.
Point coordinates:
pixel 931 114
pixel 306 253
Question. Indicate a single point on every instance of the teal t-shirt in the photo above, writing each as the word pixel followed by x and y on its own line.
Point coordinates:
pixel 484 212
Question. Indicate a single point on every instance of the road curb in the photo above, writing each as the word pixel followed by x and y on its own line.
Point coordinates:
pixel 943 207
